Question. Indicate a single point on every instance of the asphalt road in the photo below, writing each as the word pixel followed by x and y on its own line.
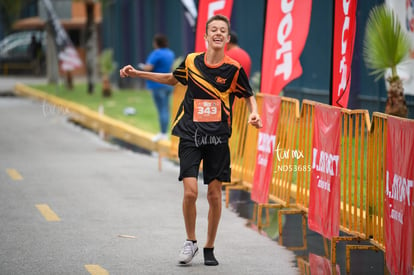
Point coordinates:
pixel 71 203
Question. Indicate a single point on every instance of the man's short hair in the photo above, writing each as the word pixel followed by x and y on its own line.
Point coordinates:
pixel 218 17
pixel 233 38
pixel 161 40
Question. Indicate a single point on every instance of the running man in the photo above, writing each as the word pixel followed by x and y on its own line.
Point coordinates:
pixel 203 124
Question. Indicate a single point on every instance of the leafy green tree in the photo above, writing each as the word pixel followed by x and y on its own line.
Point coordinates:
pixel 107 67
pixel 385 46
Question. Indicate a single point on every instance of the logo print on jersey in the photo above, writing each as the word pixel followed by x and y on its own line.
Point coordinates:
pixel 220 80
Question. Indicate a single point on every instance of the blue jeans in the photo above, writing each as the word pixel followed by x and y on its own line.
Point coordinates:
pixel 161 98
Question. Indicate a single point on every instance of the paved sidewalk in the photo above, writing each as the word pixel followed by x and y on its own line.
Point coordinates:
pixel 103 194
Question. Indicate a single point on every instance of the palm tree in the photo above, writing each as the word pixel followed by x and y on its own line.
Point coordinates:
pixel 385 46
pixel 107 66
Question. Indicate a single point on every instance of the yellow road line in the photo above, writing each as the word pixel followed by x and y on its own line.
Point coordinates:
pixel 96 269
pixel 47 213
pixel 13 174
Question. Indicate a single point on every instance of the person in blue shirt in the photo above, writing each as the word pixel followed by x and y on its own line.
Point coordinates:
pixel 160 60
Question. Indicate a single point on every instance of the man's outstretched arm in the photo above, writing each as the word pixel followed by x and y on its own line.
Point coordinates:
pixel 164 78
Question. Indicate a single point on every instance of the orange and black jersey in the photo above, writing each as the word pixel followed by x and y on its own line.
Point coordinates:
pixel 220 82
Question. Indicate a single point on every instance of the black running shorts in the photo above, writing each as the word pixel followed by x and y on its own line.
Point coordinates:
pixel 216 160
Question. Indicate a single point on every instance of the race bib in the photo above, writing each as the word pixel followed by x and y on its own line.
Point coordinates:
pixel 207 110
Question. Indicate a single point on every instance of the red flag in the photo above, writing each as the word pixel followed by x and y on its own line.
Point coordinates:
pixel 206 9
pixel 323 215
pixel 287 26
pixel 399 198
pixel 266 146
pixel 343 48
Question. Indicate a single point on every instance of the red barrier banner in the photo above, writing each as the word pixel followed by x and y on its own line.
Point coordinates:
pixel 206 9
pixel 399 198
pixel 286 30
pixel 266 147
pixel 321 265
pixel 343 48
pixel 324 202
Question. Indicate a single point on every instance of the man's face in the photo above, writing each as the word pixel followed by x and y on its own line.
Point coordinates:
pixel 217 34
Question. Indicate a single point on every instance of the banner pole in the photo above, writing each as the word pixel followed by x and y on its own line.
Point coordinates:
pixel 261 57
pixel 332 53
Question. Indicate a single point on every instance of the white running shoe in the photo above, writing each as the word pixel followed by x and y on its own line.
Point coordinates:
pixel 189 251
pixel 159 137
